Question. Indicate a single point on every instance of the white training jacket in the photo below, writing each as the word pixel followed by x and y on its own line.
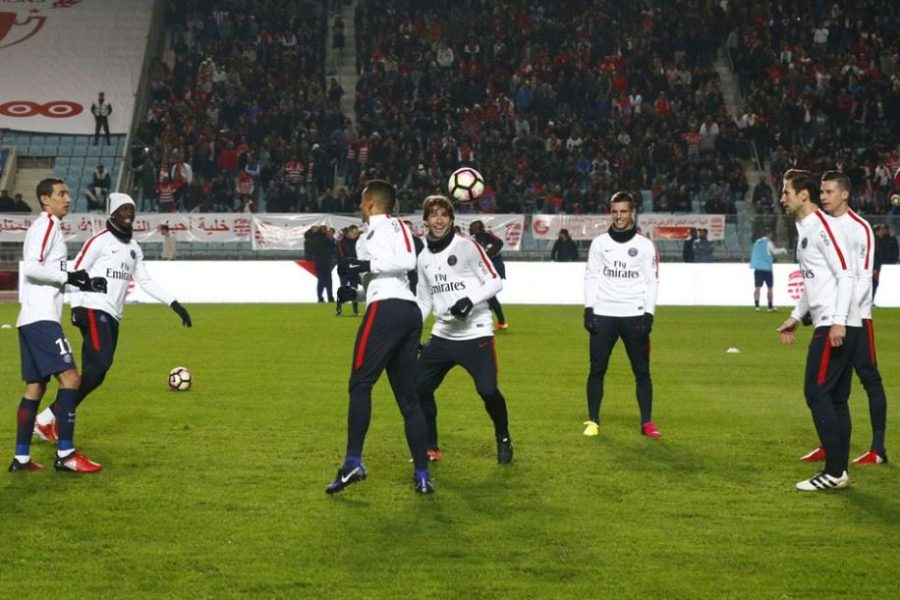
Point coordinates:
pixel 105 255
pixel 827 272
pixel 621 278
pixel 461 270
pixel 44 270
pixel 388 246
pixel 861 246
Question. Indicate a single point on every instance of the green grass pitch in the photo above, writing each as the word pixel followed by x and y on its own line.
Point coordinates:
pixel 219 492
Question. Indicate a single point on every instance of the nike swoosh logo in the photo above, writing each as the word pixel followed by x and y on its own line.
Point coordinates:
pixel 346 478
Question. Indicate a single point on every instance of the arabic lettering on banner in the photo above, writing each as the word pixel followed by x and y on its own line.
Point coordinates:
pixel 580 227
pixel 190 227
pixel 285 232
pixel 75 228
pixel 196 227
pixel 655 226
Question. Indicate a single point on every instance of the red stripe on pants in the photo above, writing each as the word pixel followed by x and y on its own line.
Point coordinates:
pixel 95 337
pixel 367 329
pixel 823 363
pixel 870 331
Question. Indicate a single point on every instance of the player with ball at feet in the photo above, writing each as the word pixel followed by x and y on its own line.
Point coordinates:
pixel 456 278
pixel 114 254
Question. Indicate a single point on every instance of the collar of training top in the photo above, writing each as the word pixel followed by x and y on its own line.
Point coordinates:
pixel 121 234
pixel 435 245
pixel 622 235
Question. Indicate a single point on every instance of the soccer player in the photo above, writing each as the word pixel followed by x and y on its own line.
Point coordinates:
pixel 113 254
pixel 761 258
pixel 827 297
pixel 45 351
pixel 620 284
pixel 388 335
pixel 492 246
pixel 835 196
pixel 456 278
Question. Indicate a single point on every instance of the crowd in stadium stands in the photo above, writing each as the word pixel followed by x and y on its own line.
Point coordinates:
pixel 559 104
pixel 822 83
pixel 238 102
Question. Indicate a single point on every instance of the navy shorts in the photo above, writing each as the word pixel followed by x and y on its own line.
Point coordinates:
pixel 761 277
pixel 45 351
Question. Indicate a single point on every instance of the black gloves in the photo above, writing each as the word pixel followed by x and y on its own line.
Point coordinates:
pixel 462 308
pixel 589 321
pixel 182 312
pixel 85 282
pixel 806 319
pixel 352 266
pixel 346 293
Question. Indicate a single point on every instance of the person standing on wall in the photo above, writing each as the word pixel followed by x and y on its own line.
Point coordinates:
pixel 101 109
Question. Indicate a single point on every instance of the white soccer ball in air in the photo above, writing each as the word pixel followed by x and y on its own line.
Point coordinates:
pixel 180 379
pixel 465 185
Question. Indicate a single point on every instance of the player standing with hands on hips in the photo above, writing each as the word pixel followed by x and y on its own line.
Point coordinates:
pixel 620 284
pixel 114 254
pixel 44 349
pixel 456 278
pixel 835 196
pixel 388 335
pixel 828 298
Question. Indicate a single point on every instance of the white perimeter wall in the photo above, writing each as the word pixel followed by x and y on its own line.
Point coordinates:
pixel 527 283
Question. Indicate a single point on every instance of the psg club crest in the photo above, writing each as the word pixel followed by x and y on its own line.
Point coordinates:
pixel 452 260
pixel 133 254
pixel 803 243
pixel 632 252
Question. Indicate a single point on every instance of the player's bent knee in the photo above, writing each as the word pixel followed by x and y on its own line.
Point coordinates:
pixel 69 379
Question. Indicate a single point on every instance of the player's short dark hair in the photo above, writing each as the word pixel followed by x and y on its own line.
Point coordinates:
pixel 841 178
pixel 623 197
pixel 804 180
pixel 45 187
pixel 383 192
pixel 434 202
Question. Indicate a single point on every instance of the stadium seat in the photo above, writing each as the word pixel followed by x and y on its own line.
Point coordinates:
pixel 93 151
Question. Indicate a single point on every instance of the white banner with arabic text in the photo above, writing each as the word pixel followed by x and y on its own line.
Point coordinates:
pixel 285 232
pixel 655 226
pixel 188 227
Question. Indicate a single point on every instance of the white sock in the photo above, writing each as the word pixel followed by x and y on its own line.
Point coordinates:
pixel 64 453
pixel 46 417
pixel 23 458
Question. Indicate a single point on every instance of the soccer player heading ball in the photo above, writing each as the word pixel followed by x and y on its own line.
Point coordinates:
pixel 456 278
